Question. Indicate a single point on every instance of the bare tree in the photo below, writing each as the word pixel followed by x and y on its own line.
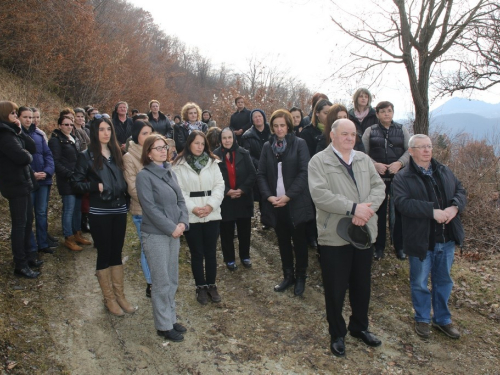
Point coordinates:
pixel 420 34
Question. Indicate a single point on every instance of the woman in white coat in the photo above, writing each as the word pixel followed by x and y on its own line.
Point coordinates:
pixel 202 185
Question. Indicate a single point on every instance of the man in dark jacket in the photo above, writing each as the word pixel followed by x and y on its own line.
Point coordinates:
pixel 240 120
pixel 122 123
pixel 430 197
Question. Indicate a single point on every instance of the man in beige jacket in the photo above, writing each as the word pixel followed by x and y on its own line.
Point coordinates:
pixel 344 183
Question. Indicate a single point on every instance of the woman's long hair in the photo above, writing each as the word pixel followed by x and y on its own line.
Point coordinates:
pixel 187 148
pixel 96 148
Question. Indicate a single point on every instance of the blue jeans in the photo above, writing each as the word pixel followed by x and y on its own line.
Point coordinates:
pixel 40 204
pixel 137 219
pixel 72 214
pixel 438 264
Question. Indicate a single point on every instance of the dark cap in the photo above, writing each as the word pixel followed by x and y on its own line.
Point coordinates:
pixel 357 236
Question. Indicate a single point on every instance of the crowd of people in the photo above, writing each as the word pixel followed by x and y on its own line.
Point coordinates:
pixel 327 181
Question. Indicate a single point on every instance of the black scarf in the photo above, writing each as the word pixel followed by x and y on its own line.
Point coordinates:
pixel 230 150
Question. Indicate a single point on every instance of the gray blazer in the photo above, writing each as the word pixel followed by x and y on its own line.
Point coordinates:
pixel 162 202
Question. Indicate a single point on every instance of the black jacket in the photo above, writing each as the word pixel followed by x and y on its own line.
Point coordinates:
pixel 232 209
pixel 417 208
pixel 251 141
pixel 16 149
pixel 240 120
pixel 295 160
pixel 369 120
pixel 65 154
pixel 387 145
pixel 312 135
pixel 161 126
pixel 86 180
pixel 181 133
pixel 123 130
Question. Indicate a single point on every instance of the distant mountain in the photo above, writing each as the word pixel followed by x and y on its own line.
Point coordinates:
pixel 460 105
pixel 458 115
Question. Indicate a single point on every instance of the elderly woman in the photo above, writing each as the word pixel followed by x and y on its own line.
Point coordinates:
pixel 133 165
pixel 99 171
pixel 237 207
pixel 282 179
pixel 202 185
pixel 165 218
pixel 387 144
pixel 191 120
pixel 65 153
pixel 160 122
pixel 16 185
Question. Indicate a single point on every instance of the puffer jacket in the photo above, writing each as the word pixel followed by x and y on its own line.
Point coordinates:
pixel 133 165
pixel 417 208
pixel 65 154
pixel 333 192
pixel 86 179
pixel 42 158
pixel 294 170
pixel 210 178
pixel 15 158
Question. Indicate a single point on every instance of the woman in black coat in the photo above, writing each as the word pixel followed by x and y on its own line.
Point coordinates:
pixel 282 179
pixel 16 184
pixel 64 151
pixel 237 207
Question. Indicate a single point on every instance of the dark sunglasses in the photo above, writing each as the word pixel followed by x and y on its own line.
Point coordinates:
pixel 67 125
pixel 99 116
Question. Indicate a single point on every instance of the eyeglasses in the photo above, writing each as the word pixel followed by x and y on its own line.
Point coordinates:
pixel 13 113
pixel 423 147
pixel 66 124
pixel 160 148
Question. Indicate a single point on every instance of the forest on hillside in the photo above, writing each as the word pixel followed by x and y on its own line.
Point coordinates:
pixel 98 52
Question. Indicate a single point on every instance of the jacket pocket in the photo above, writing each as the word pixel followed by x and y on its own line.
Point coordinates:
pixel 326 221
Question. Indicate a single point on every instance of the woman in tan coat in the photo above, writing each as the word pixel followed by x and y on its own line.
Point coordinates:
pixel 141 129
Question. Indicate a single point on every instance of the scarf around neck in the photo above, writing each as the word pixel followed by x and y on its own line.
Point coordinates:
pixel 361 115
pixel 197 162
pixel 278 146
pixel 198 125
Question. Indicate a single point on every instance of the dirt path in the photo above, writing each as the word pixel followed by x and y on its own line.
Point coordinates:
pixel 253 330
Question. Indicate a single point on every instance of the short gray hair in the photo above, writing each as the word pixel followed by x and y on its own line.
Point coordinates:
pixel 411 142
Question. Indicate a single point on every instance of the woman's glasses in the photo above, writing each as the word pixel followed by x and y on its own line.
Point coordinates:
pixel 160 148
pixel 67 125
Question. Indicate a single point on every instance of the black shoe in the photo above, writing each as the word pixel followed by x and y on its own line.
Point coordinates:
pixel 313 244
pixel 27 273
pixel 171 335
pixel 231 266
pixel 247 263
pixel 337 346
pixel 401 255
pixel 379 254
pixel 288 281
pixel 52 239
pixel 35 263
pixel 85 223
pixel 148 291
pixel 52 244
pixel 300 282
pixel 179 328
pixel 367 337
pixel 47 250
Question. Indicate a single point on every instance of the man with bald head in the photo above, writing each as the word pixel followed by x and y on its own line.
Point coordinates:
pixel 430 198
pixel 345 184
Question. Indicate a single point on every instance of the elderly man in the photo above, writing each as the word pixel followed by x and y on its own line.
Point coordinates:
pixel 345 184
pixel 429 197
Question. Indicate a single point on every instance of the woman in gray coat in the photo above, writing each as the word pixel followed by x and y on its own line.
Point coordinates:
pixel 164 220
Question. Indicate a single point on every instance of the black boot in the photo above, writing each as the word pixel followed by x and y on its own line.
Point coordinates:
pixel 300 281
pixel 85 223
pixel 288 280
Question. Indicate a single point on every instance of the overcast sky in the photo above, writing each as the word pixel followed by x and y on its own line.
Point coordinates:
pixel 296 35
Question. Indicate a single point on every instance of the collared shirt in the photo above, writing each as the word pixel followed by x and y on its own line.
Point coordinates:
pixel 351 156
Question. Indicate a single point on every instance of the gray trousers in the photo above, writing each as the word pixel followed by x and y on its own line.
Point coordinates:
pixel 162 253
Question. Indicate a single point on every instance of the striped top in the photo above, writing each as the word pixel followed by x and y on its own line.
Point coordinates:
pixel 108 211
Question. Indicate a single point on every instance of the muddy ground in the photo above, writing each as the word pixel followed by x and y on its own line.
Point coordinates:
pixel 58 324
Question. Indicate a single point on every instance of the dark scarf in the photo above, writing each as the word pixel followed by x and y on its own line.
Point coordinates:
pixel 278 146
pixel 198 162
pixel 233 148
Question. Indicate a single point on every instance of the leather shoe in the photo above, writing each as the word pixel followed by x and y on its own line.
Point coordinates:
pixel 367 337
pixel 337 346
pixel 35 262
pixel 231 266
pixel 379 254
pixel 247 263
pixel 313 244
pixel 401 255
pixel 47 250
pixel 27 273
pixel 179 328
pixel 171 335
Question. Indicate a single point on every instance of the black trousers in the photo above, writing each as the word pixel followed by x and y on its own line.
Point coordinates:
pixel 286 232
pixel 202 242
pixel 244 227
pixel 395 222
pixel 108 233
pixel 21 215
pixel 346 267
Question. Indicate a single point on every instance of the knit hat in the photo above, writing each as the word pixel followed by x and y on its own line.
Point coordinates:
pixel 258 110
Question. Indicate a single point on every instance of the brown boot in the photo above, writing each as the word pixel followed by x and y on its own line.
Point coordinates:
pixel 117 279
pixel 70 243
pixel 104 278
pixel 80 239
